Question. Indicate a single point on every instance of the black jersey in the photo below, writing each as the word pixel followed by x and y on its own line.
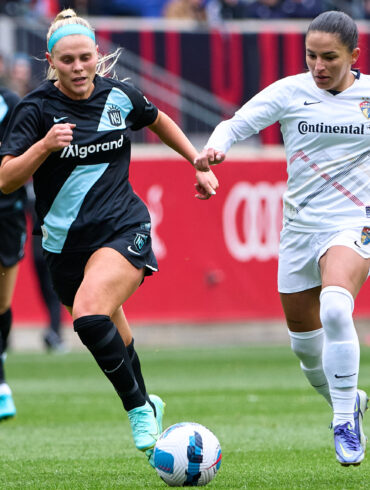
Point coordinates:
pixel 15 202
pixel 83 195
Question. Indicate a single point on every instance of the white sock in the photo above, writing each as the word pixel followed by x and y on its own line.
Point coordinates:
pixel 341 351
pixel 4 389
pixel 307 346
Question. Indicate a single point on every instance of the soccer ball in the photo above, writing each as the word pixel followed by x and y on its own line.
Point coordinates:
pixel 187 454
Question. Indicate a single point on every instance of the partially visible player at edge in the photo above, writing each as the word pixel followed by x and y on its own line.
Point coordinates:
pixel 71 135
pixel 13 236
pixel 324 252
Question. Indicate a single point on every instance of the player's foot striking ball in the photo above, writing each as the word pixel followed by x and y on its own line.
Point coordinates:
pixel 144 426
pixel 159 412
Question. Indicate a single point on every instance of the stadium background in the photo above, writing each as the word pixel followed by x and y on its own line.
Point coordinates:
pixel 218 259
pixel 198 323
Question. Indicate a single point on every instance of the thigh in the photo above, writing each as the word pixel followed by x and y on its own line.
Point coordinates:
pixel 302 310
pixel 342 266
pixel 8 276
pixel 109 280
pixel 120 321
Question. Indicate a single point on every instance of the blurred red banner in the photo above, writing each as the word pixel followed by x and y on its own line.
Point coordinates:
pixel 217 258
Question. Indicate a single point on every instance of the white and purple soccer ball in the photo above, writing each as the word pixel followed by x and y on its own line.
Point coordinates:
pixel 187 454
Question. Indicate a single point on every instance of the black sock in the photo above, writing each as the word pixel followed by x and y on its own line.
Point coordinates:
pixel 103 340
pixel 136 367
pixel 5 324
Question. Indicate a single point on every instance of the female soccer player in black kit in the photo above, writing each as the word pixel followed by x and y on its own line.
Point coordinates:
pixel 70 134
pixel 13 235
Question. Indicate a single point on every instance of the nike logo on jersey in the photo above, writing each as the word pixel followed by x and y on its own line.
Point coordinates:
pixel 132 251
pixel 311 103
pixel 58 119
pixel 357 245
pixel 345 376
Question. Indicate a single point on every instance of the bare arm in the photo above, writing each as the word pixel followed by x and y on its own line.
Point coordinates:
pixel 170 133
pixel 15 171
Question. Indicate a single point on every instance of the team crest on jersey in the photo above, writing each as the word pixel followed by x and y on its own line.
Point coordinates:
pixel 365 108
pixel 140 241
pixel 114 115
pixel 365 235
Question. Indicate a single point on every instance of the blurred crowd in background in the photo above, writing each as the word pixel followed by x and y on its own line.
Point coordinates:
pixel 15 73
pixel 211 11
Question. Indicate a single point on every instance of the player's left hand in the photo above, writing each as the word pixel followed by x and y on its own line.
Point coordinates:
pixel 206 185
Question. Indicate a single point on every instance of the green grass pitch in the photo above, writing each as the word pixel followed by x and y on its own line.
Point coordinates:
pixel 71 432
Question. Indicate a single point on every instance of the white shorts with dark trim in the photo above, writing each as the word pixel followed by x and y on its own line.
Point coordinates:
pixel 300 252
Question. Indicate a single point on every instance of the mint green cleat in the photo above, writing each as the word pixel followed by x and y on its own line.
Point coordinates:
pixel 7 407
pixel 144 427
pixel 159 408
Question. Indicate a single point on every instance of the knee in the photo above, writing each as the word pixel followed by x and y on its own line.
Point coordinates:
pixel 83 307
pixel 84 303
pixel 333 314
pixel 82 310
pixel 304 350
pixel 307 346
pixel 336 306
pixel 5 301
pixel 4 308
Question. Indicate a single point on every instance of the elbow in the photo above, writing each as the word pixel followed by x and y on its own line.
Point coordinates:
pixel 2 186
pixel 7 188
pixel 8 184
pixel 7 191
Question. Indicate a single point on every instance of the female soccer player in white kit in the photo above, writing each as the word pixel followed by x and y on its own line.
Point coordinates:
pixel 324 252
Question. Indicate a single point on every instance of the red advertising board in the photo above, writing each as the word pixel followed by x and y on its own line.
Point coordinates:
pixel 217 258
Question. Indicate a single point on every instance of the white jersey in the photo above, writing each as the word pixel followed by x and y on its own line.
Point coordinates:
pixel 327 144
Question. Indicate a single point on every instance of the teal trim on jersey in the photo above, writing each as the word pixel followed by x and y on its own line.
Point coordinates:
pixel 117 107
pixel 3 108
pixel 67 204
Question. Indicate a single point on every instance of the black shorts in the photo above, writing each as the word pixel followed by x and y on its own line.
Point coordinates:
pixel 67 269
pixel 13 238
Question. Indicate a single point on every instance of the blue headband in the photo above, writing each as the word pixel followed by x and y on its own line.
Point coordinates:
pixel 68 30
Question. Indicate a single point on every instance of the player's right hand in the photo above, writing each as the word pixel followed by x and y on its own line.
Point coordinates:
pixel 207 157
pixel 59 136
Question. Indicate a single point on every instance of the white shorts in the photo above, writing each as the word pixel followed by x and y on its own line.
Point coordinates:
pixel 299 255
